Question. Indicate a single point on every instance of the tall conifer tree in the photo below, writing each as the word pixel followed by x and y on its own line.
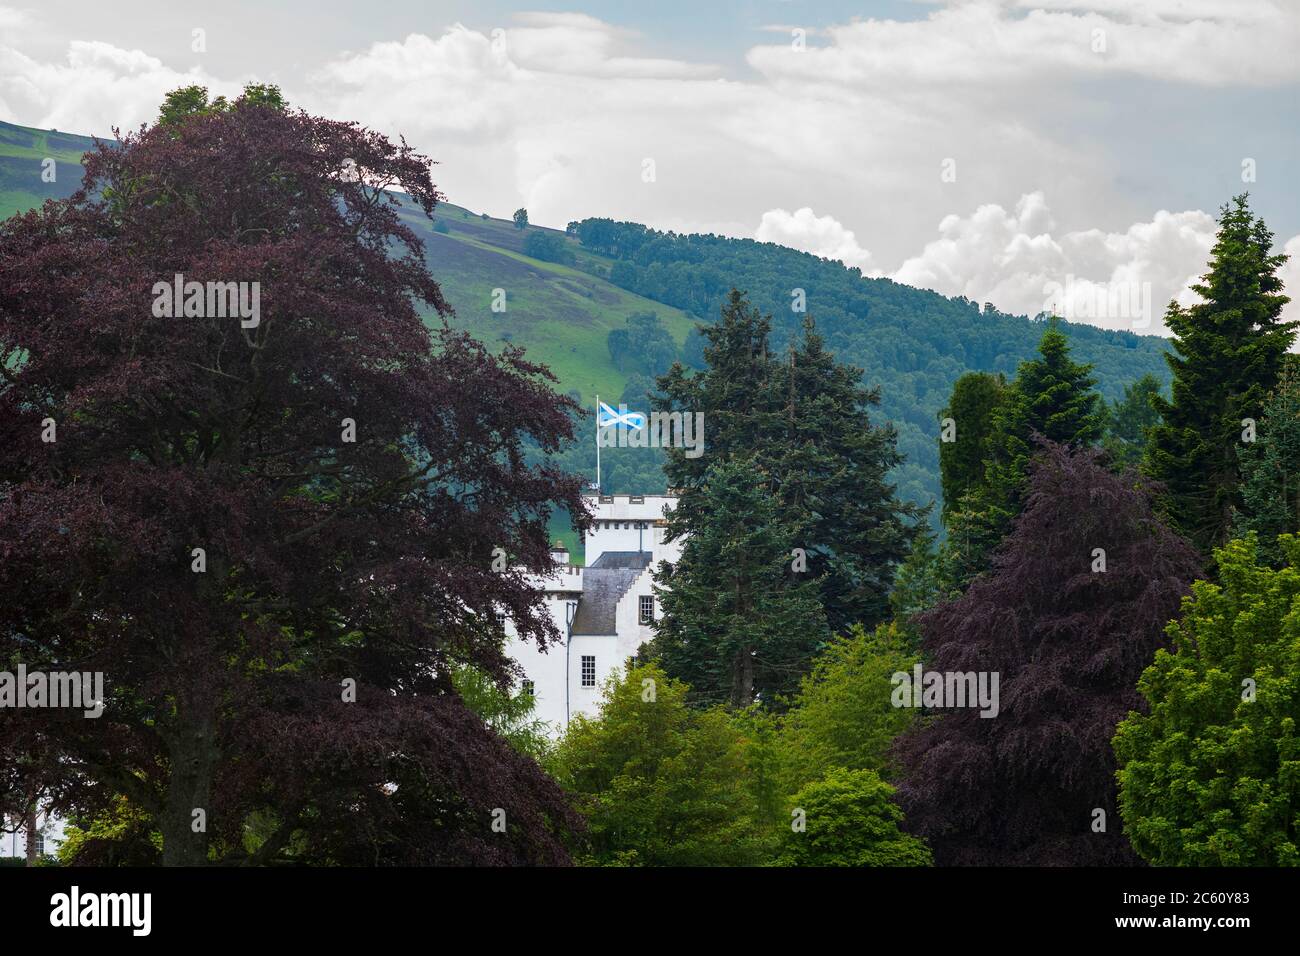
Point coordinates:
pixel 832 466
pixel 1227 352
pixel 802 424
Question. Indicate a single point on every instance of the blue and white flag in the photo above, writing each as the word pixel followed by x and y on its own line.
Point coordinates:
pixel 622 418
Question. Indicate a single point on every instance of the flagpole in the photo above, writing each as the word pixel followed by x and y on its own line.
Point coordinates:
pixel 598 444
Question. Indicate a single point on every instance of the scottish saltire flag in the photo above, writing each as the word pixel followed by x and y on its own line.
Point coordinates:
pixel 608 417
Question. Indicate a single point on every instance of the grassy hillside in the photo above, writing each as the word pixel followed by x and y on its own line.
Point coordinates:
pixel 560 314
pixel 910 342
pixel 22 154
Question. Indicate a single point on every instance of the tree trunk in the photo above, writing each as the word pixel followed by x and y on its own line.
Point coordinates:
pixel 742 678
pixel 193 751
pixel 29 822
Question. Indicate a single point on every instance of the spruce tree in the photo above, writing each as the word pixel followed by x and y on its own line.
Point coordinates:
pixel 804 426
pixel 1051 398
pixel 1270 470
pixel 733 392
pixel 831 466
pixel 1227 353
pixel 739 623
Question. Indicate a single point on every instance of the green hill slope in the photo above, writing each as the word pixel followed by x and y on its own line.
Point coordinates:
pixel 23 171
pixel 560 314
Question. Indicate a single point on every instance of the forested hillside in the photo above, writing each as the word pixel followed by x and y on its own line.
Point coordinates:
pixel 910 342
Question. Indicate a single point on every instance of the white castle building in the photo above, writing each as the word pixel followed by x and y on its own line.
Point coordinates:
pixel 603 611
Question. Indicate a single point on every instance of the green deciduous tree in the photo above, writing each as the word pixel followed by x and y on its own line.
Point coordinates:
pixel 661 784
pixel 843 715
pixel 1227 353
pixel 850 820
pixel 510 713
pixel 1211 776
pixel 521 218
pixel 548 246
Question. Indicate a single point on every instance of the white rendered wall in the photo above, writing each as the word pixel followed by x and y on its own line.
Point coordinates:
pixel 15 844
pixel 547 670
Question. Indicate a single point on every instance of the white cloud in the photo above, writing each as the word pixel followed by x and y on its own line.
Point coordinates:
pixel 98 86
pixel 821 235
pixel 1290 273
pixel 559 113
pixel 1021 263
pixel 1206 42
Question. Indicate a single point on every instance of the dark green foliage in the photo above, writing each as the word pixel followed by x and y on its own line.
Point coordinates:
pixel 1209 776
pixel 1051 398
pixel 521 218
pixel 832 465
pixel 801 424
pixel 1270 469
pixel 921 582
pixel 1227 352
pixel 738 623
pixel 548 246
pixel 617 239
pixel 644 345
pixel 1129 420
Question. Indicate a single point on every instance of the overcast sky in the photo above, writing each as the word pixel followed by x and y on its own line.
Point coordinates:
pixel 985 148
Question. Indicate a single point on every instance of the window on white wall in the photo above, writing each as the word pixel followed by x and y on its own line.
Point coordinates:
pixel 588 670
pixel 647 608
pixel 528 689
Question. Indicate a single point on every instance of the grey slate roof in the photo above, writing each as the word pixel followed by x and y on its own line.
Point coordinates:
pixel 603 584
pixel 623 559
